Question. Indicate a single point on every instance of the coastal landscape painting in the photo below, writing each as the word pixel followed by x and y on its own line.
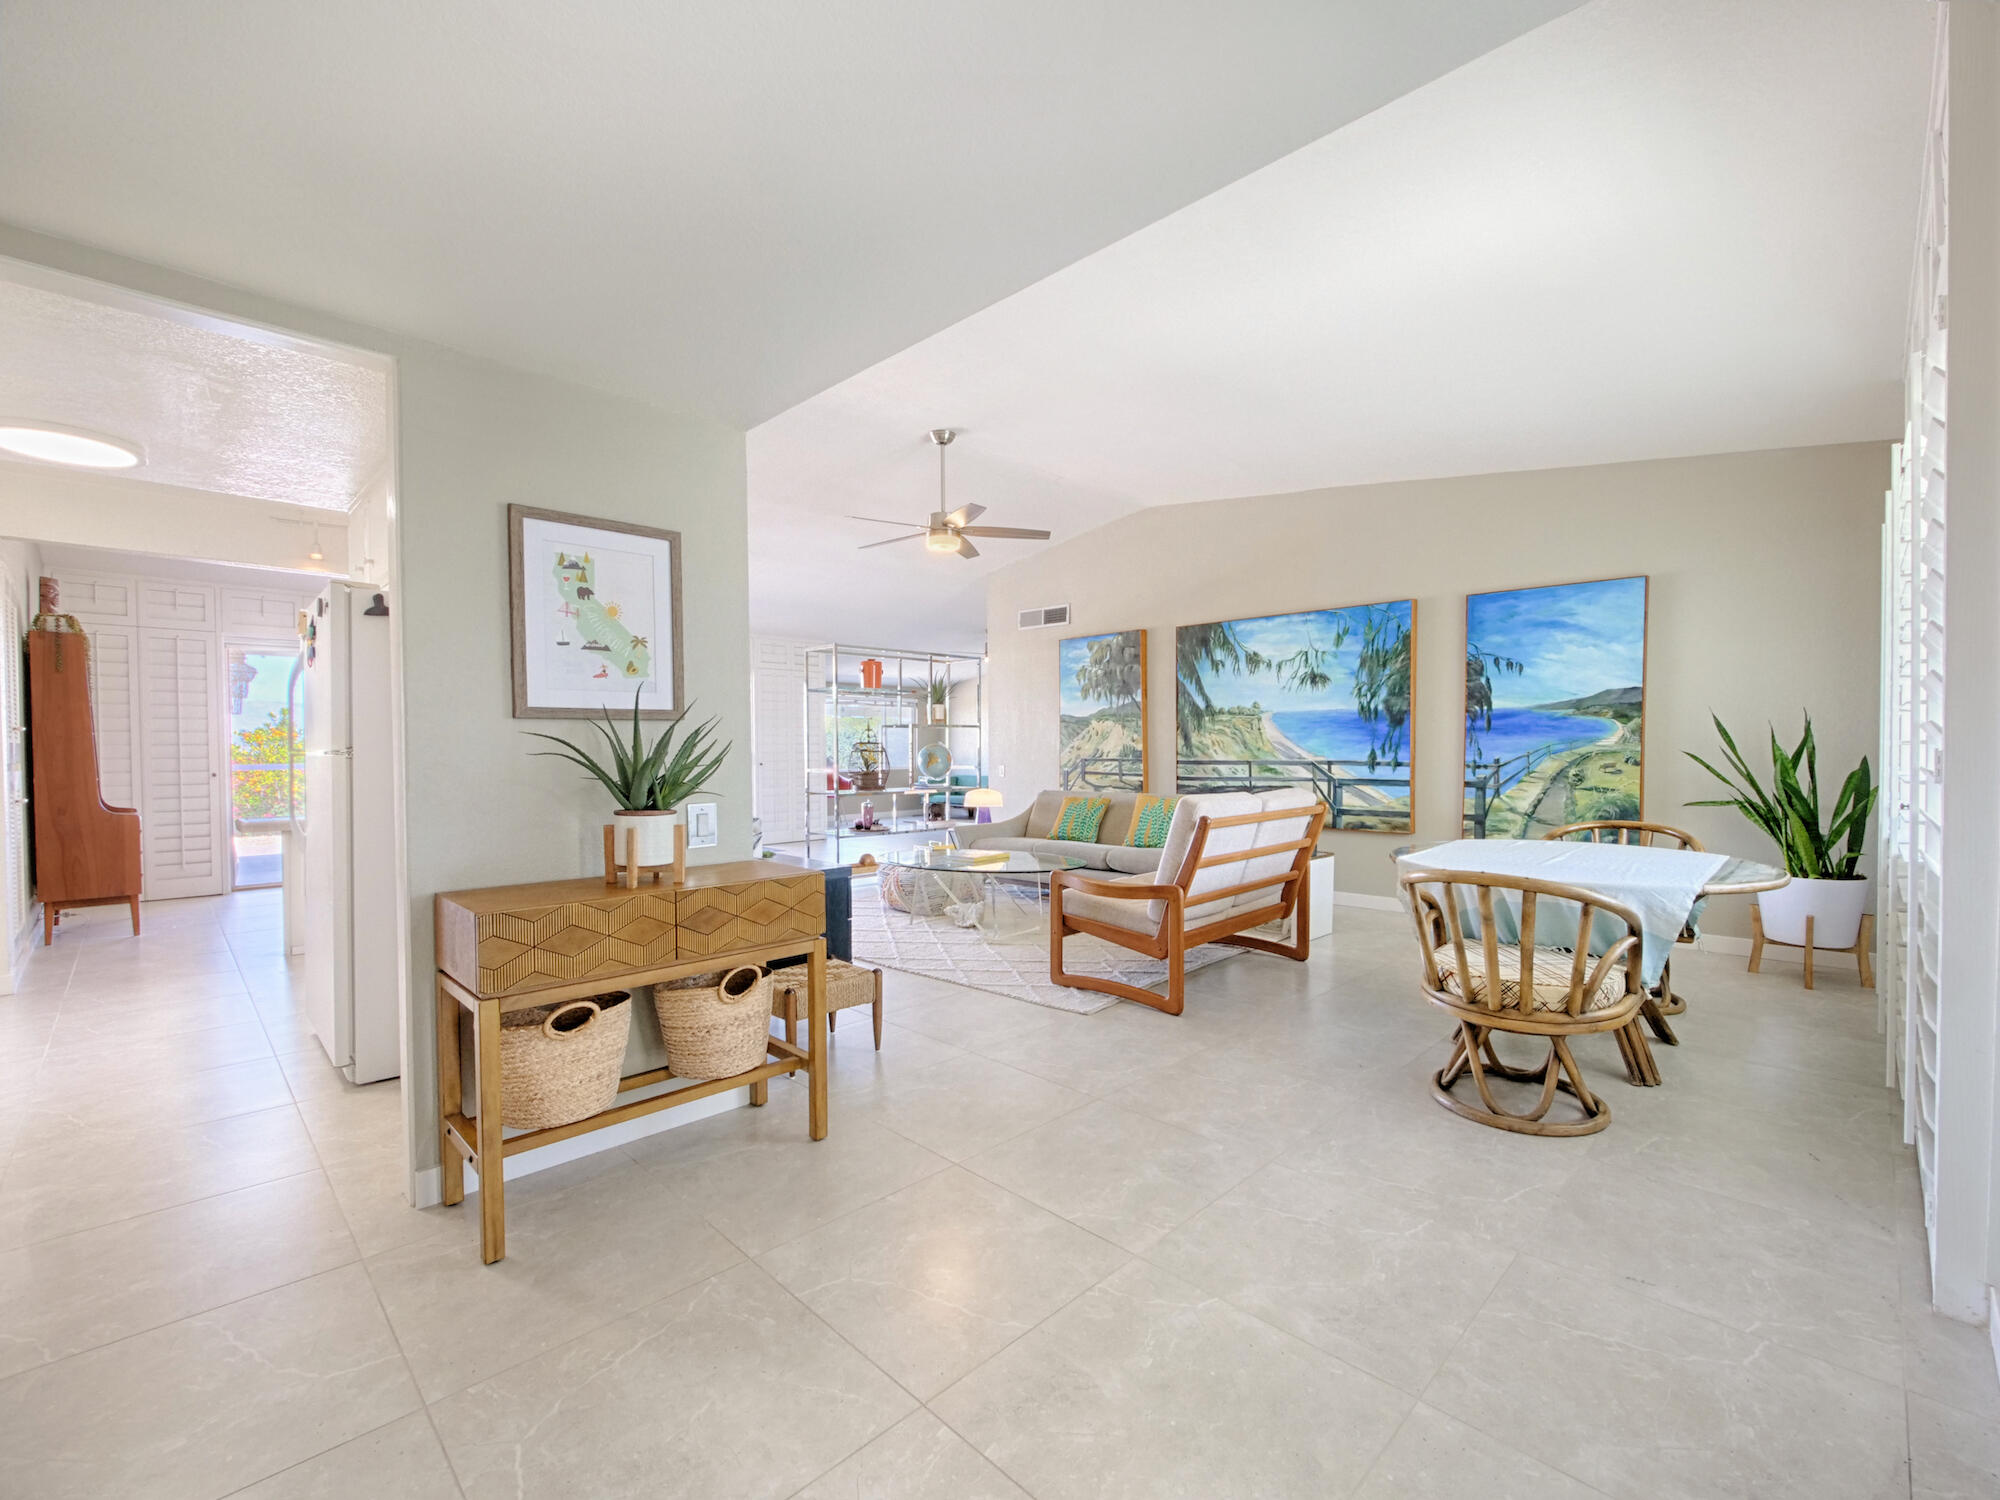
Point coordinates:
pixel 1102 741
pixel 1555 700
pixel 1319 699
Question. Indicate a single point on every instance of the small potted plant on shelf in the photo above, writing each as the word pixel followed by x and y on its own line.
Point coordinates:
pixel 648 783
pixel 940 699
pixel 1827 884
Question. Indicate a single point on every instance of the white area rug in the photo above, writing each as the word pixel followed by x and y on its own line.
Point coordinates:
pixel 938 948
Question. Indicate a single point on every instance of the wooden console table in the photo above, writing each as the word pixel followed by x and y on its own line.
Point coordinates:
pixel 513 947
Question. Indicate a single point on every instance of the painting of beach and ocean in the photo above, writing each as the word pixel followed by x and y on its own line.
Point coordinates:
pixel 1555 698
pixel 1102 741
pixel 1318 699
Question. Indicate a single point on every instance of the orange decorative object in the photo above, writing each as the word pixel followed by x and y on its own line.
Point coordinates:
pixel 86 854
pixel 871 673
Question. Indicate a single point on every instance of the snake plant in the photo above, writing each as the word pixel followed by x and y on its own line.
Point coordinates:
pixel 643 779
pixel 1789 812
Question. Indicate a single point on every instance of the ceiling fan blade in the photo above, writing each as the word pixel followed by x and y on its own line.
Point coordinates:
pixel 911 537
pixel 877 520
pixel 1020 532
pixel 965 514
pixel 965 548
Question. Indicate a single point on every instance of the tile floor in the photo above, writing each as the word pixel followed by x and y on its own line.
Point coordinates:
pixel 1237 1253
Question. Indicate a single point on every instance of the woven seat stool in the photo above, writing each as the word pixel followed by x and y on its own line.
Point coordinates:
pixel 847 985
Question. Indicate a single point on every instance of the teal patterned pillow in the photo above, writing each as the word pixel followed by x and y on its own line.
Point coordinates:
pixel 1080 818
pixel 1151 817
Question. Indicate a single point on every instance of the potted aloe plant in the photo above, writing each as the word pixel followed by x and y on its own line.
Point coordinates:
pixel 940 698
pixel 1823 858
pixel 648 783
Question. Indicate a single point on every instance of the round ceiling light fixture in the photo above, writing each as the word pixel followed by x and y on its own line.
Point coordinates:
pixel 51 443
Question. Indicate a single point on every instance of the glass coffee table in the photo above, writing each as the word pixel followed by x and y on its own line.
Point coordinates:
pixel 1003 893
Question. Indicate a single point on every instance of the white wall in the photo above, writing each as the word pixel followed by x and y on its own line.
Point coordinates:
pixel 20 572
pixel 1763 602
pixel 474 436
pixel 97 510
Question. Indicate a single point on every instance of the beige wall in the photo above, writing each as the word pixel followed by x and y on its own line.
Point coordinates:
pixel 474 436
pixel 1763 602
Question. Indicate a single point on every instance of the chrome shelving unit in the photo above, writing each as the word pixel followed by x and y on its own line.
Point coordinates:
pixel 901 712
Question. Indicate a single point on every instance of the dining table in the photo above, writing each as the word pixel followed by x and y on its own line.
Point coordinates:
pixel 1665 888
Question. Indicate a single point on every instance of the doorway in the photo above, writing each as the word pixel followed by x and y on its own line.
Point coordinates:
pixel 266 789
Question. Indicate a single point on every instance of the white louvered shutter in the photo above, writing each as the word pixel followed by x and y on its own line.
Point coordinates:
pixel 181 803
pixel 114 711
pixel 1915 636
pixel 780 734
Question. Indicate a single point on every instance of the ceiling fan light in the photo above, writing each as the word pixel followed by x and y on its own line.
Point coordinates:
pixel 940 540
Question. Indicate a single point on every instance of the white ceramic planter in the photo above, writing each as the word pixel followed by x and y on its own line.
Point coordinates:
pixel 1834 905
pixel 656 835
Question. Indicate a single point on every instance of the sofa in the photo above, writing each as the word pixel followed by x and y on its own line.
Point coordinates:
pixel 1028 832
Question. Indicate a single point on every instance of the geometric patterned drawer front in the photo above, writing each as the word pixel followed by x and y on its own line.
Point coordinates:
pixel 724 919
pixel 533 947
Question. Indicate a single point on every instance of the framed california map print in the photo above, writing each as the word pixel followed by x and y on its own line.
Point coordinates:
pixel 597 616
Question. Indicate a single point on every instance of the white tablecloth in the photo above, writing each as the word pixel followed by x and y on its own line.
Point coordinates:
pixel 1661 885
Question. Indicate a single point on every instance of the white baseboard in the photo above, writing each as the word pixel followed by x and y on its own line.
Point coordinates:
pixel 429 1185
pixel 1368 903
pixel 1739 947
pixel 1993 1324
pixel 21 948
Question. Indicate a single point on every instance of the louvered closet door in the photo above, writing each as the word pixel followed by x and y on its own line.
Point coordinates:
pixel 780 733
pixel 114 711
pixel 181 801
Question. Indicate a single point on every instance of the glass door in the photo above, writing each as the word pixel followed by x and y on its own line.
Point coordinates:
pixel 266 784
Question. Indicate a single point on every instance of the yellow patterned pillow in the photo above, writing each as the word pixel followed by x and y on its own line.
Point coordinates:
pixel 1079 818
pixel 1151 817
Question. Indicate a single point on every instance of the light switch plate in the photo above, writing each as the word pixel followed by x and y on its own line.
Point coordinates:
pixel 701 825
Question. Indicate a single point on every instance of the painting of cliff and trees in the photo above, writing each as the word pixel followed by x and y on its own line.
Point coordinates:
pixel 1319 699
pixel 1555 698
pixel 1102 741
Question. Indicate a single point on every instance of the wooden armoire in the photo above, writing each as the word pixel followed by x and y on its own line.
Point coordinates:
pixel 86 854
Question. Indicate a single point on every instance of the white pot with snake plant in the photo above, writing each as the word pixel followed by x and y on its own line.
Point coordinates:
pixel 1827 884
pixel 647 783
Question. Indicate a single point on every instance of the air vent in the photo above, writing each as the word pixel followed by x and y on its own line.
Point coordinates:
pixel 1054 614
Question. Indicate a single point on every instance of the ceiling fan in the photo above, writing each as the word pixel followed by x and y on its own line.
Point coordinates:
pixel 947 531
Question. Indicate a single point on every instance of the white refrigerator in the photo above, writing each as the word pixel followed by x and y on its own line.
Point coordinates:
pixel 351 979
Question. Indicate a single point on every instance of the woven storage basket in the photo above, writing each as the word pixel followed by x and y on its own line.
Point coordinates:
pixel 560 1063
pixel 715 1024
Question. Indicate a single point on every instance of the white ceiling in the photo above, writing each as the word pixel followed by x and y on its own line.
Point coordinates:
pixel 1643 230
pixel 212 405
pixel 724 206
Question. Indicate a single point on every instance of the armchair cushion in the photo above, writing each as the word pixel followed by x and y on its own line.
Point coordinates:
pixel 1553 967
pixel 1131 913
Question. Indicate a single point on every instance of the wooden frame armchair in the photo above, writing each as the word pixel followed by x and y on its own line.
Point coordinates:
pixel 1630 831
pixel 1490 986
pixel 1200 903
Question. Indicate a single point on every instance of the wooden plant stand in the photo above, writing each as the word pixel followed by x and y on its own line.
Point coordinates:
pixel 628 870
pixel 511 948
pixel 1863 949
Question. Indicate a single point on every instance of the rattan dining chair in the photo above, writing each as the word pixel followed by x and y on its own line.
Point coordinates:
pixel 1650 835
pixel 1490 986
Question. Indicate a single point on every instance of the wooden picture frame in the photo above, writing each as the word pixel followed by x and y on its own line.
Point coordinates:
pixel 1124 664
pixel 640 602
pixel 1482 813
